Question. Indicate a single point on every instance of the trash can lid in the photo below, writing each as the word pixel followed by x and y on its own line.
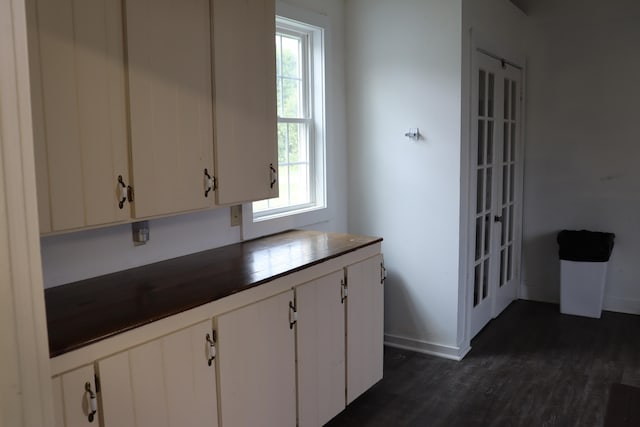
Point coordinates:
pixel 585 246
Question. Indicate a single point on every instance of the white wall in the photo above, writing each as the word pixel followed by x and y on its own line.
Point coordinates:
pixel 582 140
pixel 76 256
pixel 404 70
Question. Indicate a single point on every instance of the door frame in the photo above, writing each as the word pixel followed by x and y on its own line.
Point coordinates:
pixel 467 224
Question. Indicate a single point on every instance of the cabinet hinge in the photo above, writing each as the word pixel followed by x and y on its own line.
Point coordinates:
pixel 211 347
pixel 293 315
pixel 383 273
pixel 344 290
pixel 96 379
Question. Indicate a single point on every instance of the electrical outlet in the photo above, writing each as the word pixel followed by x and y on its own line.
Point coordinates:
pixel 140 232
pixel 236 215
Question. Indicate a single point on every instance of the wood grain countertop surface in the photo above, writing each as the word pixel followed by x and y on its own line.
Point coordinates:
pixel 87 311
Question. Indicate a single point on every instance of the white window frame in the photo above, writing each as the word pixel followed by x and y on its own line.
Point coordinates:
pixel 298 21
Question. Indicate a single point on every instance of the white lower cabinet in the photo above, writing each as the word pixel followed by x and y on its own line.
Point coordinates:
pixel 320 347
pixel 73 394
pixel 256 362
pixel 365 325
pixel 296 358
pixel 167 382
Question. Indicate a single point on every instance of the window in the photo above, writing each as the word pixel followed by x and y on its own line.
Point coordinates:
pixel 301 145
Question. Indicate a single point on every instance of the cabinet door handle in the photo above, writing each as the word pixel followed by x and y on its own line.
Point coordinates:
pixel 344 292
pixel 211 348
pixel 122 188
pixel 383 273
pixel 209 183
pixel 293 315
pixel 273 174
pixel 93 402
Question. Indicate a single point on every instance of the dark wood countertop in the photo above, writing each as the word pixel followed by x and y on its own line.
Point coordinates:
pixel 90 310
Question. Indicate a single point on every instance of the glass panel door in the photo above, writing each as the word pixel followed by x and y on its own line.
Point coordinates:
pixel 495 168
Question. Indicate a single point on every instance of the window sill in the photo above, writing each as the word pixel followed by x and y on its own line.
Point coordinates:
pixel 253 228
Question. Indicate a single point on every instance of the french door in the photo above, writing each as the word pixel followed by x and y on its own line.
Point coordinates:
pixel 496 178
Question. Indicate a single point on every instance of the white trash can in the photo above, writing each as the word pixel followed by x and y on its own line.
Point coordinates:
pixel 584 257
pixel 582 287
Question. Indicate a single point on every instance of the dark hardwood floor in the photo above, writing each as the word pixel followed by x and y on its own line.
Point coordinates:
pixel 532 366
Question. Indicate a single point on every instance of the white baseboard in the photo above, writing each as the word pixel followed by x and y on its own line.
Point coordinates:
pixel 621 305
pixel 444 351
pixel 615 304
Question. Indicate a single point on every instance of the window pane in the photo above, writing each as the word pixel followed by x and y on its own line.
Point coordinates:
pixel 479 234
pixel 488 186
pixel 278 55
pixel 283 141
pixel 291 52
pixel 291 98
pixel 481 92
pixel 298 143
pixel 299 184
pixel 491 95
pixel 480 191
pixel 476 284
pixel 480 142
pixel 485 279
pixel 261 205
pixel 279 96
pixel 489 142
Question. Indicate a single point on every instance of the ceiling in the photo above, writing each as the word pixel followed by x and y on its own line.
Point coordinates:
pixel 522 4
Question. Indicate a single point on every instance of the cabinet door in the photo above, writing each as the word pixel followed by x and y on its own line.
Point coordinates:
pixel 166 382
pixel 245 99
pixel 169 58
pixel 79 112
pixel 256 357
pixel 320 345
pixel 365 326
pixel 72 400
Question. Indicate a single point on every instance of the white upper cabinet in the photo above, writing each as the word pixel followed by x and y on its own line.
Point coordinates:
pixel 124 100
pixel 245 100
pixel 79 112
pixel 171 103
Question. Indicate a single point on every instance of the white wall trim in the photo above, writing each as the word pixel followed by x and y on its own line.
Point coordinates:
pixel 25 379
pixel 433 349
pixel 621 305
pixel 610 303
